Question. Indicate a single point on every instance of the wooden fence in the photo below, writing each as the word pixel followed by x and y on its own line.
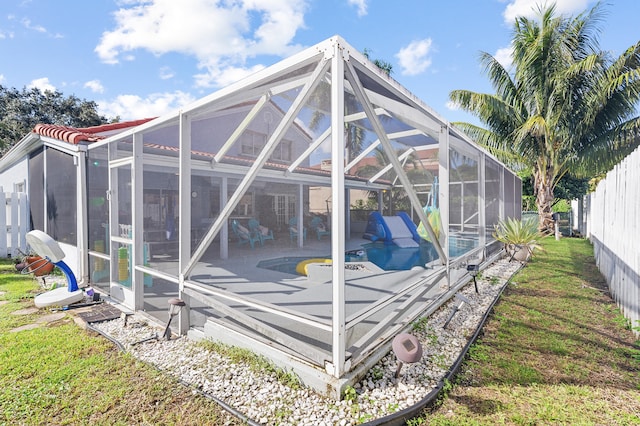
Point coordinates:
pixel 610 220
pixel 15 217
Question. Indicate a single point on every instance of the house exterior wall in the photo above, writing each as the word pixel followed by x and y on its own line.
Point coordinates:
pixel 15 176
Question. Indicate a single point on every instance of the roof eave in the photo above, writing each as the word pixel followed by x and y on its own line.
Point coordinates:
pixel 24 147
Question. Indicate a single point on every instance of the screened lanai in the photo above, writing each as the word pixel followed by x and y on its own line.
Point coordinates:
pixel 310 213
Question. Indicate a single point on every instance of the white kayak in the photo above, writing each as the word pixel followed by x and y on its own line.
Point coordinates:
pixel 58 297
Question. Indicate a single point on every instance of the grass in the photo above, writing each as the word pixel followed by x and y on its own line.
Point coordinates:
pixel 555 351
pixel 60 374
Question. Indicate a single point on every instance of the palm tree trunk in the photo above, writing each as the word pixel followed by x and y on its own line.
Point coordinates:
pixel 544 198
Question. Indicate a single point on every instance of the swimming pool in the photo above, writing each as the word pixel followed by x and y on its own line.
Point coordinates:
pixel 386 256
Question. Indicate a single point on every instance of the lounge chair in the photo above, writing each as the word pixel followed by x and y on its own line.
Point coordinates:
pixel 293 230
pixel 244 235
pixel 318 226
pixel 263 232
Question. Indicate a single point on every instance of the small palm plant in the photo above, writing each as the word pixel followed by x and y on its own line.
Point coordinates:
pixel 519 237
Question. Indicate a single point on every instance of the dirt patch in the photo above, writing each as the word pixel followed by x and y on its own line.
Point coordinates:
pixel 25 327
pixel 26 311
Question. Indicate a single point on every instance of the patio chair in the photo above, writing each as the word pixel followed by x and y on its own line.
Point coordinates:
pixel 293 230
pixel 244 235
pixel 318 226
pixel 263 232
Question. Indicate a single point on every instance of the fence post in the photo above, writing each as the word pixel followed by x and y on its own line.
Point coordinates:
pixel 3 224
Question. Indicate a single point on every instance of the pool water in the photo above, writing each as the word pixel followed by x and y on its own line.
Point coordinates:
pixel 393 258
pixel 386 256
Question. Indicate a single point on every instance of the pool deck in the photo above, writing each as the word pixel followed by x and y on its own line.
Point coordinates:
pixel 239 272
pixel 240 275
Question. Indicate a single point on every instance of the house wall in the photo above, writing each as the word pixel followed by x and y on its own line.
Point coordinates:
pixel 209 135
pixel 15 175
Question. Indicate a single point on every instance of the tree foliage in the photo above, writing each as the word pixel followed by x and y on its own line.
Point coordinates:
pixel 568 188
pixel 567 107
pixel 385 66
pixel 21 110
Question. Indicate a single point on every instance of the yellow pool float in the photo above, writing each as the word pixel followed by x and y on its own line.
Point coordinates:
pixel 301 267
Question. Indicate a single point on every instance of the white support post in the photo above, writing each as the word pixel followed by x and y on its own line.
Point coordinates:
pixel 14 221
pixel 501 212
pixel 24 220
pixel 82 226
pixel 224 230
pixel 3 219
pixel 482 204
pixel 137 217
pixel 338 323
pixel 443 196
pixel 184 210
pixel 112 197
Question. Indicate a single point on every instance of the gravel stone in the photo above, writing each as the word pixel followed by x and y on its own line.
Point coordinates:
pixel 260 397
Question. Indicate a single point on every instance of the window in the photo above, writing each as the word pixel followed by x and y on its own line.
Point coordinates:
pixel 252 143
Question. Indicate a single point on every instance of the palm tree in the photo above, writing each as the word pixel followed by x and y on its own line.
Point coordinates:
pixel 568 107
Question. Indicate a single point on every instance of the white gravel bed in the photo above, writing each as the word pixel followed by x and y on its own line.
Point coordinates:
pixel 263 399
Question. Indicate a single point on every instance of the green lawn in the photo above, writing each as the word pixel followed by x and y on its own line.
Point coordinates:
pixel 60 374
pixel 555 351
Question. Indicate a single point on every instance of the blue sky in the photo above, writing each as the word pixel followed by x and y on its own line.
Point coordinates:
pixel 144 58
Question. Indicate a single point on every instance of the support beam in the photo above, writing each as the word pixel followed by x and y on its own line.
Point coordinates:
pixel 337 212
pixel 389 151
pixel 137 220
pixel 241 127
pixel 261 159
pixel 184 210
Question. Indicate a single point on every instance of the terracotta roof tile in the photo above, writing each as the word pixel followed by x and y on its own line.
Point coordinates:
pixel 67 134
pixel 115 126
pixel 87 134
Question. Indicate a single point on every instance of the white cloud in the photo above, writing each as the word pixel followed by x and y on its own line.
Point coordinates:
pixel 414 58
pixel 30 26
pixel 2 78
pixel 42 84
pixel 361 5
pixel 224 76
pixel 95 86
pixel 219 35
pixel 529 8
pixel 504 56
pixel 452 106
pixel 26 22
pixel 133 107
pixel 166 73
